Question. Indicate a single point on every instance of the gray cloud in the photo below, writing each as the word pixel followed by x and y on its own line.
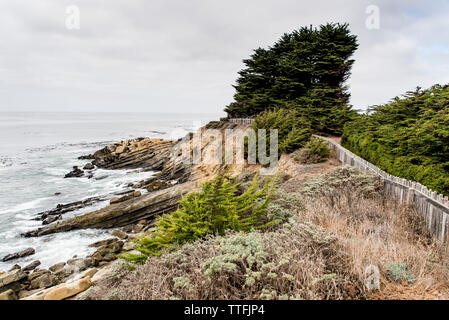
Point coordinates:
pixel 183 56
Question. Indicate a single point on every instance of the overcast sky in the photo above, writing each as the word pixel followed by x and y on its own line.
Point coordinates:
pixel 183 56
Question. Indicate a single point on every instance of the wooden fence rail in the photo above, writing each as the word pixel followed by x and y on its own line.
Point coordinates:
pixel 241 120
pixel 432 206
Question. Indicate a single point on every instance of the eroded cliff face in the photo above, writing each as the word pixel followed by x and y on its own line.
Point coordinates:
pixel 179 173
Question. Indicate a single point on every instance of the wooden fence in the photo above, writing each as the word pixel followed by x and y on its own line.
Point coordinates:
pixel 432 206
pixel 241 120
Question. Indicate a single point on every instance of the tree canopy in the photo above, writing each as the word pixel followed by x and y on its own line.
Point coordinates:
pixel 408 137
pixel 305 70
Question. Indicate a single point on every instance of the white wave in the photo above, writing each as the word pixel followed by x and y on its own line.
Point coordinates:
pixel 24 206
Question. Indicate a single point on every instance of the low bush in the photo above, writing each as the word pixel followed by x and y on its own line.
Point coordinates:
pixel 315 151
pixel 293 130
pixel 215 209
pixel 297 261
pixel 399 272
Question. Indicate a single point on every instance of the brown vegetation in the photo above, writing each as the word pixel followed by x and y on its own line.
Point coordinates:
pixel 336 225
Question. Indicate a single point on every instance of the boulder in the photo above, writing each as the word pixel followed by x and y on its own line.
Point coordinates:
pixel 79 264
pixel 8 295
pixel 11 280
pixel 128 246
pixel 57 267
pixel 33 265
pixel 137 194
pixel 145 207
pixel 67 290
pixel 51 219
pixel 119 234
pixel 37 273
pixel 102 243
pixel 88 166
pixel 44 281
pixel 61 274
pixel 75 173
pixel 20 254
pixel 108 270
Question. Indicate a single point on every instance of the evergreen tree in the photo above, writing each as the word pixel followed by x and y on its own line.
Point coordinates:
pixel 408 137
pixel 305 70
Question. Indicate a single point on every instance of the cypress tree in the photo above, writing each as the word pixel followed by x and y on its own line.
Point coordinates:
pixel 305 70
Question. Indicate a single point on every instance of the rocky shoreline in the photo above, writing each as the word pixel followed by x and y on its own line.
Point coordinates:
pixel 131 211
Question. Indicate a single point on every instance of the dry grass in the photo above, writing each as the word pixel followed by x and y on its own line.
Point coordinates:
pixel 379 232
pixel 335 231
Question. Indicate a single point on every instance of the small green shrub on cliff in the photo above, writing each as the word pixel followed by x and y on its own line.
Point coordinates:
pixel 293 130
pixel 217 208
pixel 315 151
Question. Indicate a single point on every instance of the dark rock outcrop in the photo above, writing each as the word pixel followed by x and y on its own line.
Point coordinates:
pixel 75 173
pixel 53 215
pixel 123 213
pixel 20 254
pixel 33 265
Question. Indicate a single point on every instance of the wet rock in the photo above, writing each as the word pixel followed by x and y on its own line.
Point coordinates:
pixel 119 234
pixel 51 219
pixel 145 207
pixel 15 267
pixel 45 280
pixel 8 295
pixel 33 265
pixel 75 173
pixel 62 273
pixel 107 252
pixel 102 243
pixel 68 207
pixel 88 166
pixel 20 254
pixel 37 273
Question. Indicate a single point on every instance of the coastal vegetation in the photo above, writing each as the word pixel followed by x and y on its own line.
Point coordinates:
pixel 321 251
pixel 293 130
pixel 316 150
pixel 408 137
pixel 217 208
pixel 305 70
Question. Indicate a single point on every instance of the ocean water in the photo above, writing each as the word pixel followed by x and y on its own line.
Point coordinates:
pixel 38 149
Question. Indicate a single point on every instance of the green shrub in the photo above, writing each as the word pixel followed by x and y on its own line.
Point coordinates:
pixel 315 151
pixel 217 208
pixel 398 272
pixel 293 130
pixel 344 178
pixel 408 137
